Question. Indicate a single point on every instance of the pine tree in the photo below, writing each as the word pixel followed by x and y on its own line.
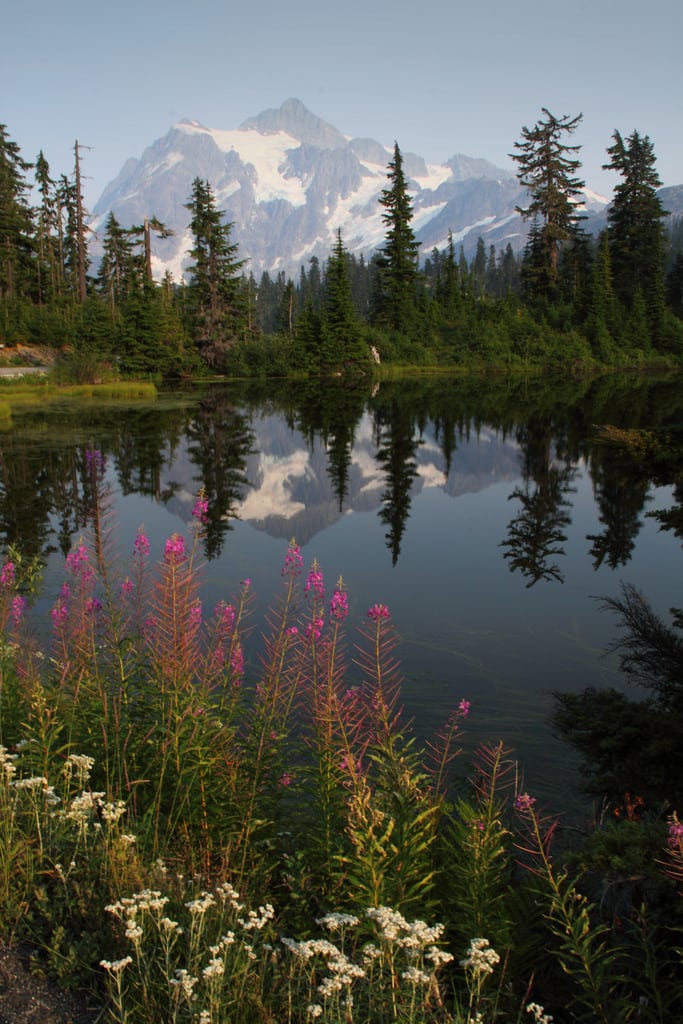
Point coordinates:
pixel 116 279
pixel 342 346
pixel 547 169
pixel 636 231
pixel 16 223
pixel 213 294
pixel 398 258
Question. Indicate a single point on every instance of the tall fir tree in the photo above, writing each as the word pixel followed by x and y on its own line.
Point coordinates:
pixel 636 230
pixel 16 223
pixel 397 260
pixel 342 347
pixel 213 293
pixel 547 166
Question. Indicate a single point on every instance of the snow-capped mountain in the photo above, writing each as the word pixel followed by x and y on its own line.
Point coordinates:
pixel 287 180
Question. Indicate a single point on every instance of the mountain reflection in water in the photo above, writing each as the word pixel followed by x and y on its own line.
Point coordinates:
pixel 485 513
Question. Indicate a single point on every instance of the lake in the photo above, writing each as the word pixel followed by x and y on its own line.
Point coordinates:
pixel 484 512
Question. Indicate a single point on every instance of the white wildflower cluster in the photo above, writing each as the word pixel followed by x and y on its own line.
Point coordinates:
pixel 229 895
pixel 116 966
pixel 184 983
pixel 7 765
pixel 200 906
pixel 309 948
pixel 36 782
pixel 540 1016
pixel 415 976
pixel 214 969
pixel 337 922
pixel 257 920
pixel 481 957
pixel 81 765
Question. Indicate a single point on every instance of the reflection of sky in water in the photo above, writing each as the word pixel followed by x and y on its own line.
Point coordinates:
pixel 469 627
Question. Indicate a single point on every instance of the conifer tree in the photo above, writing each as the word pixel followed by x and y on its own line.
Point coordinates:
pixel 16 223
pixel 213 294
pixel 636 231
pixel 342 345
pixel 547 167
pixel 397 260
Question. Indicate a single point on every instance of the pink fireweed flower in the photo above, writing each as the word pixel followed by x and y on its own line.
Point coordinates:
pixel 285 779
pixel 293 631
pixel 201 510
pixel 141 545
pixel 225 616
pixel 77 557
pixel 675 832
pixel 195 615
pixel 314 582
pixel 464 708
pixel 315 628
pixel 7 573
pixel 127 585
pixel 524 802
pixel 377 612
pixel 59 614
pixel 237 661
pixel 93 606
pixel 19 605
pixel 339 605
pixel 174 550
pixel 246 582
pixel 293 563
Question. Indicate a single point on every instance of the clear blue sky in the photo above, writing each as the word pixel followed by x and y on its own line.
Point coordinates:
pixel 440 77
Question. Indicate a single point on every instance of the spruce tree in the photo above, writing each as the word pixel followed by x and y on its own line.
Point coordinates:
pixel 636 231
pixel 547 167
pixel 213 294
pixel 342 346
pixel 16 223
pixel 397 260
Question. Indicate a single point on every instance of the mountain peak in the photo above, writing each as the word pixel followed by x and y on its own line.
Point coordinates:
pixel 297 120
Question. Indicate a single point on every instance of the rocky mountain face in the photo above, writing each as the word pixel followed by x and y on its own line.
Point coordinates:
pixel 287 180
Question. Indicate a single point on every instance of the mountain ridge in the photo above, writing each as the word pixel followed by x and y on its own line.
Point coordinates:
pixel 287 180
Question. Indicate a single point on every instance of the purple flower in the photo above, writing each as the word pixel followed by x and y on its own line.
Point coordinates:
pixel 19 604
pixel 94 461
pixel 293 563
pixel 141 545
pixel 59 614
pixel 174 551
pixel 196 614
pixel 377 612
pixel 7 573
pixel 77 557
pixel 314 582
pixel 464 708
pixel 201 510
pixel 524 802
pixel 93 606
pixel 675 833
pixel 127 586
pixel 339 605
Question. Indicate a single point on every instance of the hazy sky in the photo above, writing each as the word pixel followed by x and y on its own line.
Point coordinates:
pixel 439 77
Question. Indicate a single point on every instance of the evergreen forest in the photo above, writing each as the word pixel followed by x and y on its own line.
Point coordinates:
pixel 568 300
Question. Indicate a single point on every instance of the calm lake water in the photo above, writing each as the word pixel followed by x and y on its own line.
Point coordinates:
pixel 484 513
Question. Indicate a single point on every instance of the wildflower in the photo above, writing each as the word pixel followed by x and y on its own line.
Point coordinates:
pixel 335 922
pixel 141 545
pixel 257 921
pixel 675 832
pixel 195 615
pixel 339 605
pixel 7 574
pixel 377 612
pixel 226 615
pixel 285 779
pixel 133 932
pixel 201 510
pixel 293 631
pixel 246 583
pixel 314 582
pixel 35 782
pixel 214 968
pixel 201 905
pixel 314 629
pixel 59 614
pixel 314 1010
pixel 438 956
pixel 77 557
pixel 524 802
pixel 540 1016
pixel 116 966
pixel 174 550
pixel 481 957
pixel 415 976
pixel 93 606
pixel 293 563
pixel 19 605
pixel 127 585
pixel 185 981
pixel 464 708
pixel 237 660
